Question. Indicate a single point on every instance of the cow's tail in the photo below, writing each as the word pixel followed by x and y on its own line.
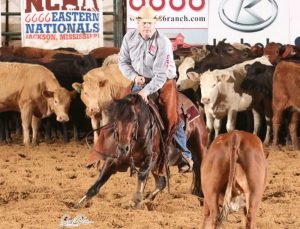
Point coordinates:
pixel 231 180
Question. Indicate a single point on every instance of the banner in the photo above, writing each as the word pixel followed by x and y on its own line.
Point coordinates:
pixel 0 25
pixel 185 22
pixel 54 24
pixel 294 22
pixel 251 21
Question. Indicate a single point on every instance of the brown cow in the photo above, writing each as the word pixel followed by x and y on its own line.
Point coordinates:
pixel 233 173
pixel 102 52
pixel 34 91
pixel 43 55
pixel 274 51
pixel 286 84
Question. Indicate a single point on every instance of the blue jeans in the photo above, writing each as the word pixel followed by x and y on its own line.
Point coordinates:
pixel 179 136
pixel 136 88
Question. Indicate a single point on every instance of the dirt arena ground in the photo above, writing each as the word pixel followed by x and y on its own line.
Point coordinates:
pixel 39 185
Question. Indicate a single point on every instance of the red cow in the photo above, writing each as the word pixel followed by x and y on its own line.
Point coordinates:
pixel 233 173
pixel 286 84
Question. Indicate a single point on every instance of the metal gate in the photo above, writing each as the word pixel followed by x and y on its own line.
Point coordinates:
pixel 119 7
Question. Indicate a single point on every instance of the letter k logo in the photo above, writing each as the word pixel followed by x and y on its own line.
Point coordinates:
pixel 248 15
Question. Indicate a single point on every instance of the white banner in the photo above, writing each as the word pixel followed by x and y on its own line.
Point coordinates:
pixel 1 24
pixel 294 22
pixel 53 24
pixel 183 20
pixel 251 20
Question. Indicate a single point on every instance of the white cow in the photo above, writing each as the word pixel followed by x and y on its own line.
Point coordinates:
pixel 222 96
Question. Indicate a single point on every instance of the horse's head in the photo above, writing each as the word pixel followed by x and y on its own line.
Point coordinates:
pixel 126 115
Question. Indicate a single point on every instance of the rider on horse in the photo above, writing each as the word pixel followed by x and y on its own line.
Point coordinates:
pixel 146 58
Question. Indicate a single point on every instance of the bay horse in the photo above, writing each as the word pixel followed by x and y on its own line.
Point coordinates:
pixel 132 139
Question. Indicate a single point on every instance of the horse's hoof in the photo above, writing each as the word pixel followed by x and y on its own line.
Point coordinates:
pixel 135 205
pixel 34 143
pixel 83 202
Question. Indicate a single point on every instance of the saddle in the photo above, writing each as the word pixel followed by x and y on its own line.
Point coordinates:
pixel 186 111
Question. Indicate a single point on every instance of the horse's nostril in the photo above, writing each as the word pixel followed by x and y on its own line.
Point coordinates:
pixel 124 149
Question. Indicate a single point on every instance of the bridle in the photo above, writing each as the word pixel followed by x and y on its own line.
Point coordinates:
pixel 134 134
pixel 148 138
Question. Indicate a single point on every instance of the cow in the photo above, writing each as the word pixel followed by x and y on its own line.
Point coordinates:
pixel 43 55
pixel 291 52
pixel 101 86
pixel 221 56
pixel 180 53
pixel 286 84
pixel 222 96
pixel 233 175
pixel 259 78
pixel 102 52
pixel 274 51
pixel 183 82
pixel 67 69
pixel 33 91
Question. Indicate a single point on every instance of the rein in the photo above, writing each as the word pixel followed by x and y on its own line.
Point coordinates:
pixel 133 169
pixel 92 147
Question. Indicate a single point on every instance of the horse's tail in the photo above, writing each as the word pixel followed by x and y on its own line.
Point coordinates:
pixel 232 171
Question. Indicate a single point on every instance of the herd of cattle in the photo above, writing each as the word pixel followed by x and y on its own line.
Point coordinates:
pixel 225 78
pixel 232 78
pixel 36 99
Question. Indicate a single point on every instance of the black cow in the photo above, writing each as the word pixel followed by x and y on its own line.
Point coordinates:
pixel 259 78
pixel 223 55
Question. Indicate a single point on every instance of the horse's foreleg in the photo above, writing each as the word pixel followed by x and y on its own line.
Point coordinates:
pixel 108 169
pixel 160 182
pixel 142 179
pixel 138 195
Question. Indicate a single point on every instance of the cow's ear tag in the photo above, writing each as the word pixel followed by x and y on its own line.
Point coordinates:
pixel 78 89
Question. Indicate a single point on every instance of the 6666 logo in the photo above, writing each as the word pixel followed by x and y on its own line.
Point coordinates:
pixel 176 5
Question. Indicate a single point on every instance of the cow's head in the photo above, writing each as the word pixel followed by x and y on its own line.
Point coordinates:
pixel 94 93
pixel 274 51
pixel 59 102
pixel 289 51
pixel 210 83
pixel 187 63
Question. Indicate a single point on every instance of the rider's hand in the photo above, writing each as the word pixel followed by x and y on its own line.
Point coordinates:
pixel 139 80
pixel 144 96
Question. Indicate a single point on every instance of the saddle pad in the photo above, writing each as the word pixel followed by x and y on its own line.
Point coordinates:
pixel 191 113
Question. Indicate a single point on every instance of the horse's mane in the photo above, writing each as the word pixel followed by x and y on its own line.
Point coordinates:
pixel 122 109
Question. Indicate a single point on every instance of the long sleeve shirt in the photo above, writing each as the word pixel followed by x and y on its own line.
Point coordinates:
pixel 152 58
